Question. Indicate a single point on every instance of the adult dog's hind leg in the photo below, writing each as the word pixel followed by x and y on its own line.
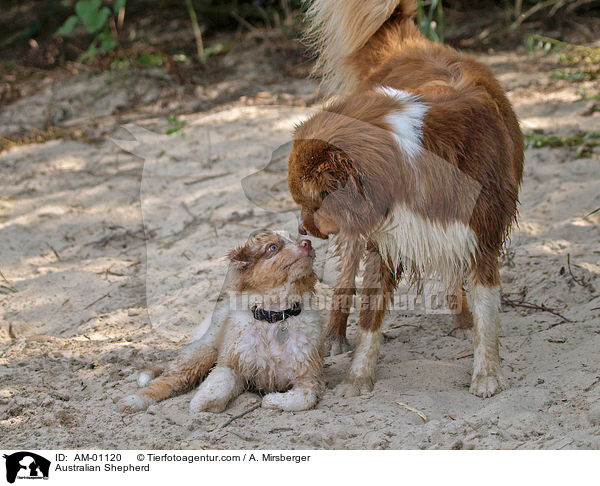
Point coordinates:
pixel 183 374
pixel 484 296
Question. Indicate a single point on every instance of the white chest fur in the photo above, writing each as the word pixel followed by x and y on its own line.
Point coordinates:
pixel 272 355
pixel 427 247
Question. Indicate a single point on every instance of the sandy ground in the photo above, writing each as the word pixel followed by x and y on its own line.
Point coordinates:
pixel 111 251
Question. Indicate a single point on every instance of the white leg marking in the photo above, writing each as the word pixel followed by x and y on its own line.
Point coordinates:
pixel 485 307
pixel 135 403
pixel 361 375
pixel 145 377
pixel 295 400
pixel 337 345
pixel 217 390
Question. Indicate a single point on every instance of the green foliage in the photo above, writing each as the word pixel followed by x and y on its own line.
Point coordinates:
pixel 430 16
pixel 576 76
pixel 573 54
pixel 214 50
pixel 151 59
pixel 585 95
pixel 176 125
pixel 583 141
pixel 96 19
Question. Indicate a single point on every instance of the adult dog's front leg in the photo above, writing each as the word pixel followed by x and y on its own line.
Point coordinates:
pixel 459 307
pixel 349 254
pixel 378 284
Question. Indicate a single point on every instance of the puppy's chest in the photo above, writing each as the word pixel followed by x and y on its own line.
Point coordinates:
pixel 274 354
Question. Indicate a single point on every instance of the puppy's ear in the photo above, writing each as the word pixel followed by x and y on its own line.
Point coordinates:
pixel 240 257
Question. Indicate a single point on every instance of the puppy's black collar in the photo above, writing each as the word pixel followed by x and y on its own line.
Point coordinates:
pixel 275 316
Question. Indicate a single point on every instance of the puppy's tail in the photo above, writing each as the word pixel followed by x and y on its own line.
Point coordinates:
pixel 349 35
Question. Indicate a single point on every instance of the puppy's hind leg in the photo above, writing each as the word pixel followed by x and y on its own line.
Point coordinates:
pixel 148 374
pixel 185 373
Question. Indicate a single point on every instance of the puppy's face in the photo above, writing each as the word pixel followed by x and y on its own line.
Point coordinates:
pixel 269 260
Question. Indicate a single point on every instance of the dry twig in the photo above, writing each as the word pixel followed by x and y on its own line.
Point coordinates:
pixel 579 281
pixel 197 31
pixel 239 415
pixel 530 305
pixel 413 409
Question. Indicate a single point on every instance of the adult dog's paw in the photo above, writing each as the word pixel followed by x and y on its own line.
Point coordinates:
pixel 338 345
pixel 485 386
pixel 462 333
pixel 354 386
pixel 135 403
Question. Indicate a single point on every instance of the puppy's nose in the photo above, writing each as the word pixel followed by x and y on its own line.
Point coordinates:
pixel 306 244
pixel 302 230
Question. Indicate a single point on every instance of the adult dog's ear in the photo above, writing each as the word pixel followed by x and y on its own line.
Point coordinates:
pixel 336 171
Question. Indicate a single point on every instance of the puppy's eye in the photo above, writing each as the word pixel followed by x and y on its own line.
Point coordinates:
pixel 272 248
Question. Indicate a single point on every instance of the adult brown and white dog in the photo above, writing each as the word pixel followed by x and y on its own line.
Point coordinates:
pixel 265 340
pixel 416 166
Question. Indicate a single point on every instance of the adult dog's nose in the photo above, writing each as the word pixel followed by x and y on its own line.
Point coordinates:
pixel 302 230
pixel 306 244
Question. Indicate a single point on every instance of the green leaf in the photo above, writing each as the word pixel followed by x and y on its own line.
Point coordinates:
pixel 107 41
pixel 68 26
pixel 118 5
pixel 150 59
pixel 92 14
pixel 90 53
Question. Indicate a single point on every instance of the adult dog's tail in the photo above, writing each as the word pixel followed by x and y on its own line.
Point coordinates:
pixel 349 36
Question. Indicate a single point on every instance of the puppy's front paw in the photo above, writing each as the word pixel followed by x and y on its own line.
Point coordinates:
pixel 485 386
pixel 295 400
pixel 272 400
pixel 204 403
pixel 338 345
pixel 135 403
pixel 354 386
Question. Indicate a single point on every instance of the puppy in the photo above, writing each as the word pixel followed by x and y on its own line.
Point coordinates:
pixel 272 343
pixel 415 166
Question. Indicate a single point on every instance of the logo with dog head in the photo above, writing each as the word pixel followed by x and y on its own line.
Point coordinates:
pixel 26 465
